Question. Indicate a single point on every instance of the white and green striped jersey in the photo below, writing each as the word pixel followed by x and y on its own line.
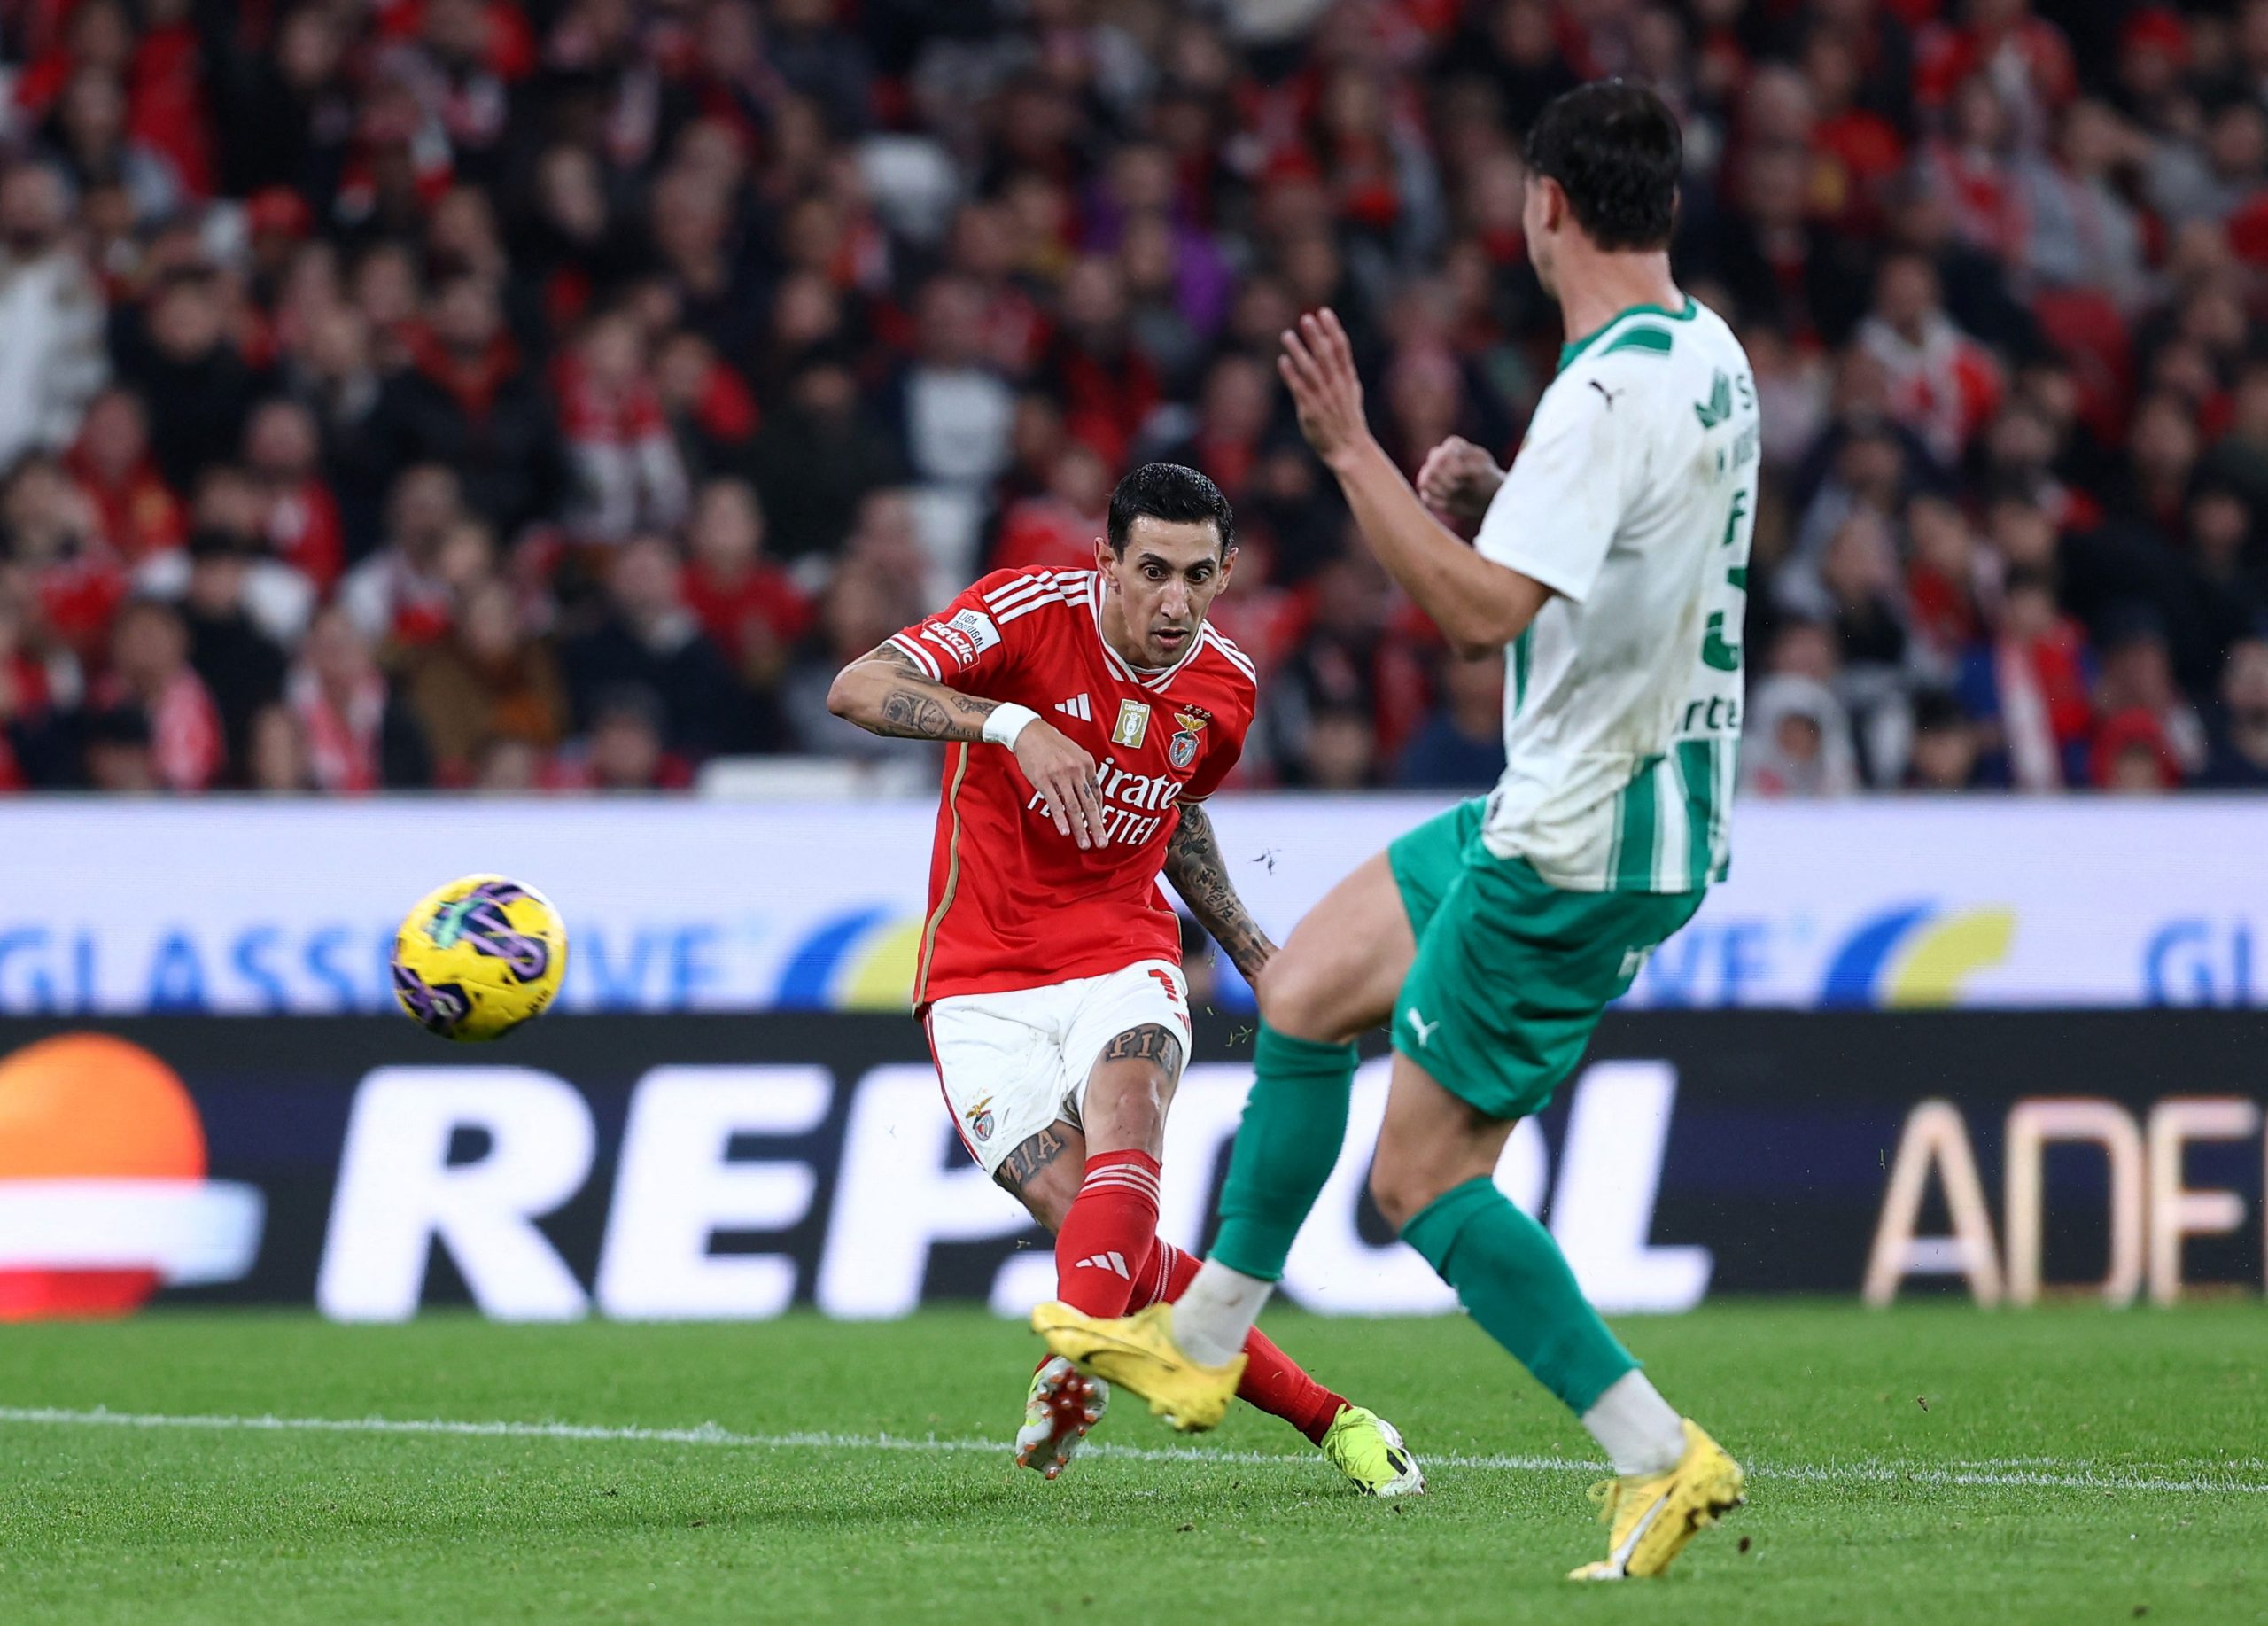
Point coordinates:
pixel 1632 498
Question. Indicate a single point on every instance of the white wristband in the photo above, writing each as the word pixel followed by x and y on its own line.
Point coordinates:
pixel 1007 721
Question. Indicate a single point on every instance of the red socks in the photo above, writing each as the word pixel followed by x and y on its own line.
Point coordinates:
pixel 1109 1234
pixel 1109 1261
pixel 1273 1380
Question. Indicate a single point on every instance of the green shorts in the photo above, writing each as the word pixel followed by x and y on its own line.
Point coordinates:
pixel 1513 973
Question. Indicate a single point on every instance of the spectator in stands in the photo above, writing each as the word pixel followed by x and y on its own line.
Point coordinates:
pixel 863 606
pixel 330 370
pixel 2240 458
pixel 276 757
pixel 1948 750
pixel 624 750
pixel 139 514
pixel 1057 529
pixel 2032 681
pixel 486 680
pixel 2211 180
pixel 118 757
pixel 283 451
pixel 1461 745
pixel 398 596
pixel 624 460
pixel 1796 741
pixel 151 677
pixel 361 735
pixel 1943 385
pixel 2239 758
pixel 2137 677
pixel 1339 752
pixel 31 742
pixel 242 667
pixel 177 352
pixel 711 411
pixel 1943 573
pixel 2132 756
pixel 51 356
pixel 468 401
pixel 1348 662
pixel 648 636
pixel 74 582
pixel 818 457
pixel 88 137
pixel 2079 231
pixel 954 412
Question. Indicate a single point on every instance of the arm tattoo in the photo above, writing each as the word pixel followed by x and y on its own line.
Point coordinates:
pixel 916 708
pixel 912 715
pixel 1150 1042
pixel 1194 865
pixel 1020 1167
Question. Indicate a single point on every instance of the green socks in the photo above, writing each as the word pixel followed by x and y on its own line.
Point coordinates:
pixel 1513 1278
pixel 1287 1147
pixel 1506 1268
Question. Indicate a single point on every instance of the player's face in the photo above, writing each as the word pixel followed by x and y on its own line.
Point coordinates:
pixel 1166 581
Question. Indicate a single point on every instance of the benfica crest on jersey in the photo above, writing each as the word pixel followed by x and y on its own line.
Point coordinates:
pixel 1181 751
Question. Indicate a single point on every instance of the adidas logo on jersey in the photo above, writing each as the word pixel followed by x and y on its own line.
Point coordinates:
pixel 1076 706
pixel 1113 1262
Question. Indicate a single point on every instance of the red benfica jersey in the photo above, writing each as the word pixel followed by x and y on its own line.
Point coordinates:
pixel 1013 903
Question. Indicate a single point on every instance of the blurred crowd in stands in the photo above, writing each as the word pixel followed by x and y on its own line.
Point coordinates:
pixel 465 393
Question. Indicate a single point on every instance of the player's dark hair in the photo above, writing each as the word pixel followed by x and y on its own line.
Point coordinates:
pixel 1614 148
pixel 1170 492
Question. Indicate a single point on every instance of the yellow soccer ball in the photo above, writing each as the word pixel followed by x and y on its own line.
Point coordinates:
pixel 478 957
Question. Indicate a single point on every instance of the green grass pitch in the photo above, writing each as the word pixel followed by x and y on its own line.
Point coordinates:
pixel 1926 1464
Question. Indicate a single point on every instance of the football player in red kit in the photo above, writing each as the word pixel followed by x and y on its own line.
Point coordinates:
pixel 1087 714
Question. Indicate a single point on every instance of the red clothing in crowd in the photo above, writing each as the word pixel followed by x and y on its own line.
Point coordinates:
pixel 1944 55
pixel 732 612
pixel 2045 708
pixel 140 514
pixel 186 745
pixel 77 597
pixel 343 737
pixel 304 529
pixel 1045 532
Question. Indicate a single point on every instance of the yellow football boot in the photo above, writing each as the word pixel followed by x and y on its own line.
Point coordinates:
pixel 1137 1354
pixel 1654 1515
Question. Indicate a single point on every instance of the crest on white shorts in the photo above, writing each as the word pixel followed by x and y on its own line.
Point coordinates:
pixel 979 1119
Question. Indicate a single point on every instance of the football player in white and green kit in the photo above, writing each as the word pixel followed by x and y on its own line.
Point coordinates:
pixel 1610 569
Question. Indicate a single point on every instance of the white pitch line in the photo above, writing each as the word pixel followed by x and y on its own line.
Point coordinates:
pixel 1997 1474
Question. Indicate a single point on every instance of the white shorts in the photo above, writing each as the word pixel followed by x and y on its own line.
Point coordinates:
pixel 1013 1064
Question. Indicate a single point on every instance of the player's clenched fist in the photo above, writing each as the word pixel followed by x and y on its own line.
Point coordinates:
pixel 1458 479
pixel 1065 775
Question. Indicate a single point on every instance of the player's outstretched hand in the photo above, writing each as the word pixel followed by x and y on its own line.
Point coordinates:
pixel 1458 480
pixel 1318 364
pixel 1065 775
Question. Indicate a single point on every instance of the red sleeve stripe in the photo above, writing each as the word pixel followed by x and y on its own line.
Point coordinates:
pixel 921 656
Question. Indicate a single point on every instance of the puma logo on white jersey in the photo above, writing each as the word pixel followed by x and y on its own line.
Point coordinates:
pixel 1425 1029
